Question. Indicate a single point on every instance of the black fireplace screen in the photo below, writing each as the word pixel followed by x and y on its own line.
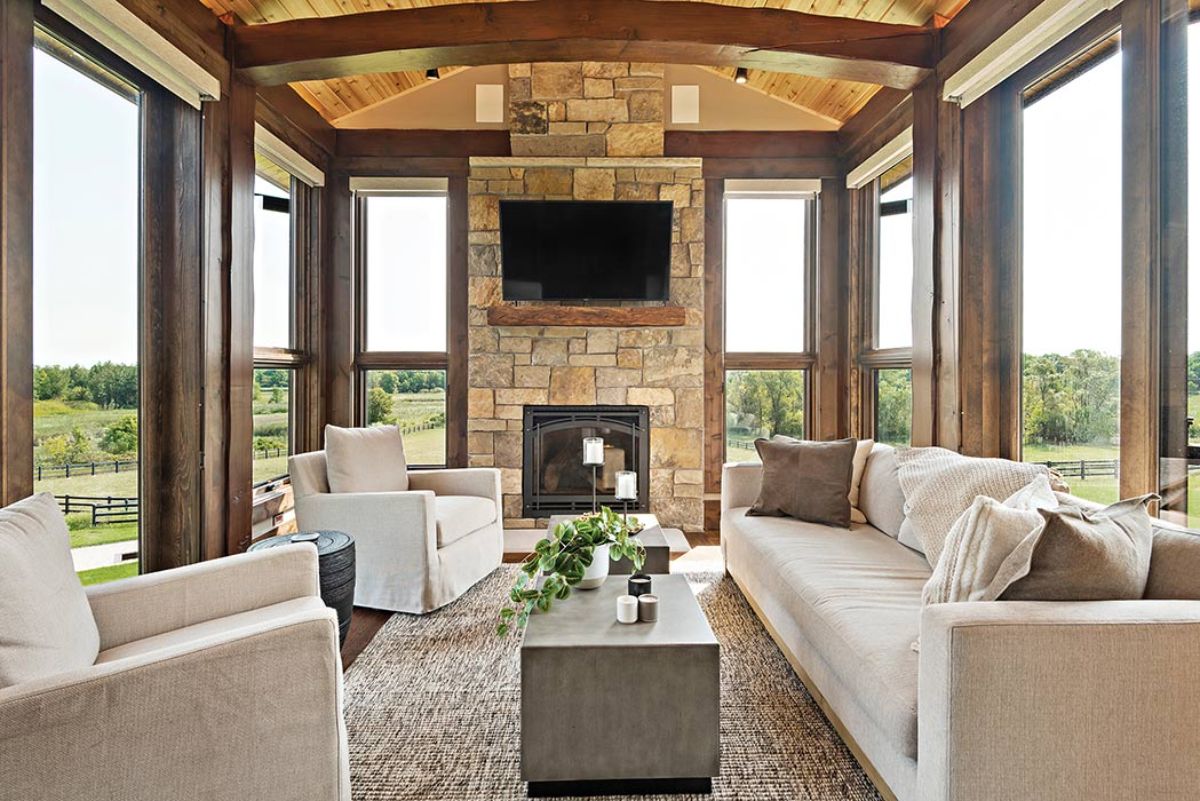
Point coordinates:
pixel 555 480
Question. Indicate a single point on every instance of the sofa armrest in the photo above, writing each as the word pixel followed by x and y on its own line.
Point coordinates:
pixel 480 482
pixel 155 725
pixel 143 606
pixel 740 483
pixel 1059 701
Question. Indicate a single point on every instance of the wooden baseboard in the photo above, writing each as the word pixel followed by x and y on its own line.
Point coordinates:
pixel 810 685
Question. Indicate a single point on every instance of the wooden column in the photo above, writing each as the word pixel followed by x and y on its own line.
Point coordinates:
pixel 989 355
pixel 16 250
pixel 936 209
pixel 714 348
pixel 1154 235
pixel 457 341
pixel 338 313
pixel 831 370
pixel 172 350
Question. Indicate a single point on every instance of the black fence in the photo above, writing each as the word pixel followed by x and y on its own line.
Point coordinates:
pixel 103 508
pixel 84 469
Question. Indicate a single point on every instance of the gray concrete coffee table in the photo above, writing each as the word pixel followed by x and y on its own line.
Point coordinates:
pixel 608 708
pixel 658 550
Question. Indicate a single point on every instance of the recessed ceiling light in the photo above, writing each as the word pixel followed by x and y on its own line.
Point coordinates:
pixel 432 74
pixel 741 76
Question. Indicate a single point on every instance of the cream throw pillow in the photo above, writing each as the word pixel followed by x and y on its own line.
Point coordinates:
pixel 940 484
pixel 990 546
pixel 46 623
pixel 365 459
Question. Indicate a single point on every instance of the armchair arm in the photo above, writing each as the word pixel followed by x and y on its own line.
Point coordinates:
pixel 143 606
pixel 740 483
pixel 481 482
pixel 1058 701
pixel 225 716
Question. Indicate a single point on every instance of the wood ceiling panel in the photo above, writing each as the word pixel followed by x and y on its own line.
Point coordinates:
pixel 836 100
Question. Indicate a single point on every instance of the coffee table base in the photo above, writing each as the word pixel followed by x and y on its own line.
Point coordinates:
pixel 699 786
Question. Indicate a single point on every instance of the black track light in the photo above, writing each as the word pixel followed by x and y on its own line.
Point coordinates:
pixel 741 76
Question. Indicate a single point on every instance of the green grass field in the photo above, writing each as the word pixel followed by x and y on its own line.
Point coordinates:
pixel 99 575
pixel 103 535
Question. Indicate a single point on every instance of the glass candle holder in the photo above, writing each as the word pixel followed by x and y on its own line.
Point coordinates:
pixel 627 489
pixel 593 451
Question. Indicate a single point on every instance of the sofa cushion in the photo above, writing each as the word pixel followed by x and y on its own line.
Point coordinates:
pixel 365 459
pixel 862 452
pixel 46 623
pixel 459 515
pixel 805 480
pixel 1174 565
pixel 198 632
pixel 879 495
pixel 856 596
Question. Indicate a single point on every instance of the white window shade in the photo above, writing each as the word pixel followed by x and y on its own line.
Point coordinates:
pixel 118 29
pixel 1036 32
pixel 881 160
pixel 285 156
pixel 389 185
pixel 788 187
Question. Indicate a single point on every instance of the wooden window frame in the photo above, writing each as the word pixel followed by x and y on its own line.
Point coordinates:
pixel 366 361
pixel 804 360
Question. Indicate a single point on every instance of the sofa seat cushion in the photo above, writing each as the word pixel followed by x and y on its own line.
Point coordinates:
pixel 857 597
pixel 253 620
pixel 460 515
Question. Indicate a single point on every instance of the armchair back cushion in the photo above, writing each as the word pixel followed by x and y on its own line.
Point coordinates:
pixel 46 624
pixel 365 459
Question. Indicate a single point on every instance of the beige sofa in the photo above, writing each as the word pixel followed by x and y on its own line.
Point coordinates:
pixel 217 680
pixel 1006 701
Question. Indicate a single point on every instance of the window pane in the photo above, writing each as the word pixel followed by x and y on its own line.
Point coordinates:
pixel 1193 300
pixel 406 273
pixel 415 400
pixel 761 403
pixel 1072 280
pixel 272 257
pixel 85 312
pixel 893 295
pixel 766 240
pixel 893 406
pixel 272 421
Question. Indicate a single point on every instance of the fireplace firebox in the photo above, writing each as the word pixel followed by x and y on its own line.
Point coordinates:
pixel 555 480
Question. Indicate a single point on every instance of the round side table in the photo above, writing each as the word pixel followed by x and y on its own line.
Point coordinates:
pixel 335 555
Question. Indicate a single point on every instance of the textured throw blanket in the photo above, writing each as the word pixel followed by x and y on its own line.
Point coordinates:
pixel 939 485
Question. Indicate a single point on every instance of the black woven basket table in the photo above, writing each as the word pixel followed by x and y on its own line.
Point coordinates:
pixel 335 555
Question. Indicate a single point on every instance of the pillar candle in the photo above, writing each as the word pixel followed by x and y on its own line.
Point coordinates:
pixel 627 486
pixel 648 608
pixel 593 451
pixel 627 609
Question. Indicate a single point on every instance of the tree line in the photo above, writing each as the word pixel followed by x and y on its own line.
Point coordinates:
pixel 107 384
pixel 1075 398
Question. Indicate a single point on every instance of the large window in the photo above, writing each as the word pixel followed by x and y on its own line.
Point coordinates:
pixel 887 331
pixel 86 265
pixel 403 334
pixel 1071 275
pixel 768 287
pixel 276 357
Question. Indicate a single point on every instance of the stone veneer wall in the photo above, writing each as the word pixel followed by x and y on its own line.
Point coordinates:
pixel 658 367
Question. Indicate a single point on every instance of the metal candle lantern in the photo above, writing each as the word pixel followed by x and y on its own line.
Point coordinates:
pixel 593 456
pixel 627 489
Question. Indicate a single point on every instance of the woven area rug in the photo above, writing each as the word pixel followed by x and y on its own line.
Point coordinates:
pixel 432 709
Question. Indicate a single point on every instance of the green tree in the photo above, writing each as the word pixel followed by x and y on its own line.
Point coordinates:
pixel 1071 399
pixel 121 437
pixel 49 382
pixel 63 449
pixel 113 386
pixel 768 402
pixel 893 406
pixel 379 407
pixel 387 382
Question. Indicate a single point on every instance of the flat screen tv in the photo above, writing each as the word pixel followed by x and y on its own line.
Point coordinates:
pixel 585 250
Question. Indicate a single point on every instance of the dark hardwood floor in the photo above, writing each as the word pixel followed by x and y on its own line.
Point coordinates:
pixel 366 623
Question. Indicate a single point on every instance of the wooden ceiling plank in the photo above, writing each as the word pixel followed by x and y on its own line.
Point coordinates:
pixel 666 31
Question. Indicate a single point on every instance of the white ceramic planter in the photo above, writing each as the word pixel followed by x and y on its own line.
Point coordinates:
pixel 597 571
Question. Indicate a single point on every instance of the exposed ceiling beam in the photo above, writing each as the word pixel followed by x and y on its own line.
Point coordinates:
pixel 662 31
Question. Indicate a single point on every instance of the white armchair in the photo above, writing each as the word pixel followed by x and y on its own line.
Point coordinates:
pixel 217 680
pixel 416 550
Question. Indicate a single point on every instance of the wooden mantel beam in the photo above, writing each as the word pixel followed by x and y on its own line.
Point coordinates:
pixel 664 31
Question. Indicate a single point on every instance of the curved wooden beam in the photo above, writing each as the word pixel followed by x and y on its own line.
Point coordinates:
pixel 661 31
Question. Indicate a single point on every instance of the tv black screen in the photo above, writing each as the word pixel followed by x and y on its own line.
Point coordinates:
pixel 585 250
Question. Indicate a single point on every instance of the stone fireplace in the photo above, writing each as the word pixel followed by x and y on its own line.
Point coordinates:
pixel 569 147
pixel 554 478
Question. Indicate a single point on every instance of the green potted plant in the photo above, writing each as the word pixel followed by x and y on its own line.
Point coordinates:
pixel 575 555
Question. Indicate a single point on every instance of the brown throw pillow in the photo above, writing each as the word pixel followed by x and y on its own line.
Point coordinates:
pixel 1089 555
pixel 806 480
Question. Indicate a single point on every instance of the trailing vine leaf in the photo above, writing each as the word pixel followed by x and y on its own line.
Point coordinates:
pixel 562 557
